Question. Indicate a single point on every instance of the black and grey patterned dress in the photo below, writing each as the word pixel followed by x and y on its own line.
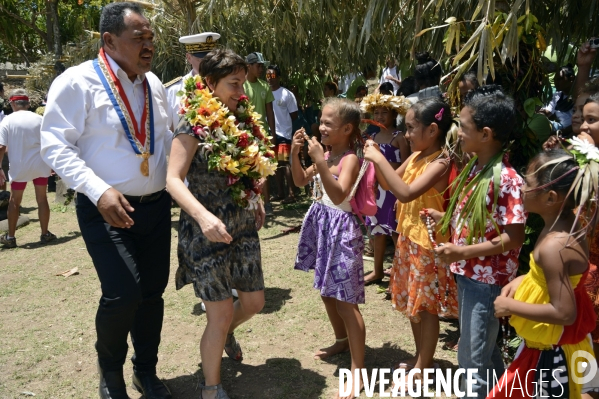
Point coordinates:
pixel 215 268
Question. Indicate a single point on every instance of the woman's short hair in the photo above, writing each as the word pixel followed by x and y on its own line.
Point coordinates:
pixel 220 63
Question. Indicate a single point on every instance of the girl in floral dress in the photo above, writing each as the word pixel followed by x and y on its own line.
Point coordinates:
pixel 394 147
pixel 331 241
pixel 419 183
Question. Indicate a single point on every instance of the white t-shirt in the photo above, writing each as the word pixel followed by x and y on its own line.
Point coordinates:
pixel 20 133
pixel 393 72
pixel 283 106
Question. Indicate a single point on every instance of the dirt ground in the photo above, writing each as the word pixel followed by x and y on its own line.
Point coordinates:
pixel 47 322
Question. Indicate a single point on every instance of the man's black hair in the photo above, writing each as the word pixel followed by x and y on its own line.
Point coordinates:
pixel 112 19
pixel 361 88
pixel 386 88
pixel 276 69
pixel 494 109
pixel 1 86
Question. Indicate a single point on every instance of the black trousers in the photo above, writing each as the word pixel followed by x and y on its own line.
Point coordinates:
pixel 133 267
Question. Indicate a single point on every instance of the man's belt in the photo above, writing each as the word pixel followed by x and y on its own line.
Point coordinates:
pixel 143 199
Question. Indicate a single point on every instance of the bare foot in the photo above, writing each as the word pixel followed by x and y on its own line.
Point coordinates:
pixel 372 278
pixel 337 347
pixel 406 363
pixel 352 394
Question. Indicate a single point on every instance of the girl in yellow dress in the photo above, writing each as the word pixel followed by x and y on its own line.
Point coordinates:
pixel 422 287
pixel 549 306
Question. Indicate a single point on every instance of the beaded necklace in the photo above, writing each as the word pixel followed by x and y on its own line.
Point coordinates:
pixel 431 236
pixel 505 339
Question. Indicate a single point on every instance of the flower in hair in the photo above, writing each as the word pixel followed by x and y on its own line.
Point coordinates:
pixel 583 151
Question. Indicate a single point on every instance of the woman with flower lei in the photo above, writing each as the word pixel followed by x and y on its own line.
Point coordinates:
pixel 222 149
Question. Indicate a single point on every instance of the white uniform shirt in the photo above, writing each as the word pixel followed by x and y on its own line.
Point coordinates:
pixel 393 72
pixel 173 100
pixel 20 133
pixel 284 105
pixel 84 142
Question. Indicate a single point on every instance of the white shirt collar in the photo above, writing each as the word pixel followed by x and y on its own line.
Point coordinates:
pixel 120 73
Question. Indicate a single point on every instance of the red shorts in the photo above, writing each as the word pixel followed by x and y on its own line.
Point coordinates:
pixel 283 151
pixel 17 185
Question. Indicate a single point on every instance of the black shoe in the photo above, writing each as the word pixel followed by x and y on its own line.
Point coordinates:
pixel 112 385
pixel 150 386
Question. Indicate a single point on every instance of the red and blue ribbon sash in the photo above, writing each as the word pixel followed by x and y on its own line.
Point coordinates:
pixel 139 140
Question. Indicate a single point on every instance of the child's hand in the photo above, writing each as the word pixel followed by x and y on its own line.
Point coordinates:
pixel 502 307
pixel 434 214
pixel 509 290
pixel 298 141
pixel 315 150
pixel 372 152
pixel 551 143
pixel 449 253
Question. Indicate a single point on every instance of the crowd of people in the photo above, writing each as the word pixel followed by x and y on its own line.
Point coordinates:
pixel 446 195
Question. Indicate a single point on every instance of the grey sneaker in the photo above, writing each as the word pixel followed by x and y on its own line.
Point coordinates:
pixel 268 208
pixel 8 242
pixel 46 238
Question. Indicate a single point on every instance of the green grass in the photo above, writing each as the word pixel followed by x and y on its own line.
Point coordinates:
pixel 48 333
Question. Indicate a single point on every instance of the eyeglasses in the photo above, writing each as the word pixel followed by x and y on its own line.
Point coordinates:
pixel 271 75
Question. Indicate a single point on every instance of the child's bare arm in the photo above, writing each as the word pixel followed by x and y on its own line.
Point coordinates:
pixel 556 261
pixel 338 189
pixel 511 238
pixel 404 192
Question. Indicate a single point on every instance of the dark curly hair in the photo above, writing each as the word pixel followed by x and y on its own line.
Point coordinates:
pixel 494 109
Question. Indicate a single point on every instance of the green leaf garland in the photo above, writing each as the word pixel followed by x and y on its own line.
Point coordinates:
pixel 475 213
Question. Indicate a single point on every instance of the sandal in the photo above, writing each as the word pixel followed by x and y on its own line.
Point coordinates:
pixel 220 392
pixel 233 349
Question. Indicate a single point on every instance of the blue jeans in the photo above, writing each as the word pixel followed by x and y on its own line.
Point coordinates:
pixel 478 333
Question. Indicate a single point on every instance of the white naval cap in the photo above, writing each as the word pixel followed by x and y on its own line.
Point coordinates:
pixel 201 44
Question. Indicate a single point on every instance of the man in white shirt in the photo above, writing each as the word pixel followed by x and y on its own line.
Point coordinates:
pixel 20 133
pixel 391 74
pixel 105 133
pixel 285 109
pixel 196 47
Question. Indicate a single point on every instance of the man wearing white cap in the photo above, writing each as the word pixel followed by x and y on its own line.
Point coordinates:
pixel 196 47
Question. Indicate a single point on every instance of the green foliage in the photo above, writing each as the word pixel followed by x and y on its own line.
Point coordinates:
pixel 474 214
pixel 24 35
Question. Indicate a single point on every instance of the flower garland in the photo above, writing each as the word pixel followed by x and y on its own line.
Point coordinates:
pixel 397 103
pixel 235 144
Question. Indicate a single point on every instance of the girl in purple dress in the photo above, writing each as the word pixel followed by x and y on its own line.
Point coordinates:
pixel 331 241
pixel 394 147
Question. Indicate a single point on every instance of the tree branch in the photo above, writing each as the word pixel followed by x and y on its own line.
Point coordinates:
pixel 26 23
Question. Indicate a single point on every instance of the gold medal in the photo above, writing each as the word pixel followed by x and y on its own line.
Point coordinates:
pixel 145 165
